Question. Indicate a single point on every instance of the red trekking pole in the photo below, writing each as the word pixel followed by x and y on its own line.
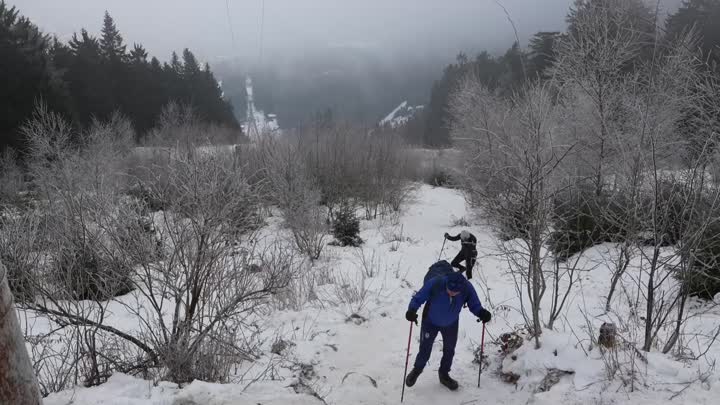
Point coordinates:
pixel 407 359
pixel 482 350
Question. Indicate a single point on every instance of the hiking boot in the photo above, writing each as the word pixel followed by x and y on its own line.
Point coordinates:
pixel 447 381
pixel 412 377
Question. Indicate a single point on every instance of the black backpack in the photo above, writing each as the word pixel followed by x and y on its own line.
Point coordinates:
pixel 439 269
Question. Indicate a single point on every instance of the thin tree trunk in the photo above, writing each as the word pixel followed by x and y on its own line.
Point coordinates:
pixel 649 312
pixel 18 385
pixel 536 275
pixel 622 266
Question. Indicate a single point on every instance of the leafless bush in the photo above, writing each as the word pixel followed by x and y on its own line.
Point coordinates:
pixel 458 222
pixel 348 291
pixel 308 225
pixel 369 263
pixel 20 244
pixel 78 186
pixel 386 171
pixel 347 163
pixel 514 153
pixel 302 281
pixel 295 192
pixel 13 185
pixel 190 305
pixel 207 288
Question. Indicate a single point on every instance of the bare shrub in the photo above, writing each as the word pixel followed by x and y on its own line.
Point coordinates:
pixel 207 288
pixel 20 244
pixel 513 175
pixel 308 226
pixel 369 263
pixel 302 277
pixel 78 184
pixel 13 185
pixel 351 292
pixel 347 163
pixel 458 222
pixel 386 168
pixel 296 194
pixel 191 305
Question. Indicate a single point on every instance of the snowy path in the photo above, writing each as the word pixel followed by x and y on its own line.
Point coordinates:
pixel 378 348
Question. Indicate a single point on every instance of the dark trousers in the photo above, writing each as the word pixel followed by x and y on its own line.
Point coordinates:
pixel 428 332
pixel 467 255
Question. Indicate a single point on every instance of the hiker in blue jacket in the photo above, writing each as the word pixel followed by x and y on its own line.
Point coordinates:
pixel 444 297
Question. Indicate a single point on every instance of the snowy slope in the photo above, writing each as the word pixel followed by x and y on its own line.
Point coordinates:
pixel 257 122
pixel 362 362
pixel 400 115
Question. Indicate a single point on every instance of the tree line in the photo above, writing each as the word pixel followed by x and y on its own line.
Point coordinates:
pixel 507 73
pixel 615 142
pixel 91 77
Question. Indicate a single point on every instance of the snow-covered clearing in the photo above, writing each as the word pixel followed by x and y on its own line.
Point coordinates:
pixel 350 361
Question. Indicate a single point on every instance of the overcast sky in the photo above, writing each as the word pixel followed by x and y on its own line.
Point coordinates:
pixel 300 25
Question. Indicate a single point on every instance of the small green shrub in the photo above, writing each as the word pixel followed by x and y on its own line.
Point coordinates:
pixel 346 226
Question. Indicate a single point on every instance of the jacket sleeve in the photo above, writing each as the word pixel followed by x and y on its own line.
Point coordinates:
pixel 473 301
pixel 454 238
pixel 423 295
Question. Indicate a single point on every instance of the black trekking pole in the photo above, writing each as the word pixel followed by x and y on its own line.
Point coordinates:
pixel 407 359
pixel 442 250
pixel 482 351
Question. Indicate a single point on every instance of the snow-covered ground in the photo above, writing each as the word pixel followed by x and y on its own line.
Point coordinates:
pixel 351 361
pixel 257 123
pixel 401 115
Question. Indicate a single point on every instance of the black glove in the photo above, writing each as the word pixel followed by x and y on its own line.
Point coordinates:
pixel 484 315
pixel 447 235
pixel 411 316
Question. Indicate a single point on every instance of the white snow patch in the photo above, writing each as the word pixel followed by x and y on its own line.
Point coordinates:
pixel 400 115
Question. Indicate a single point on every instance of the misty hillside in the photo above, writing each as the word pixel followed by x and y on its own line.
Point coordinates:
pixel 357 84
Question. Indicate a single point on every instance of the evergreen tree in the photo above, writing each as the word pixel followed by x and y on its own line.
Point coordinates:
pixel 514 70
pixel 175 64
pixel 190 67
pixel 27 74
pixel 138 56
pixel 91 78
pixel 541 53
pixel 87 80
pixel 111 42
pixel 702 16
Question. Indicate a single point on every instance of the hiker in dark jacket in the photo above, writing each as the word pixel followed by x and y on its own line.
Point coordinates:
pixel 444 298
pixel 468 252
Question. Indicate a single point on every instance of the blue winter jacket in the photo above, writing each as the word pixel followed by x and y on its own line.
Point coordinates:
pixel 444 309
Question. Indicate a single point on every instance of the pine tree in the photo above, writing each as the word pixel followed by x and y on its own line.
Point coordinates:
pixel 138 55
pixel 190 67
pixel 87 79
pixel 91 78
pixel 175 64
pixel 346 226
pixel 701 16
pixel 111 42
pixel 541 53
pixel 27 74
